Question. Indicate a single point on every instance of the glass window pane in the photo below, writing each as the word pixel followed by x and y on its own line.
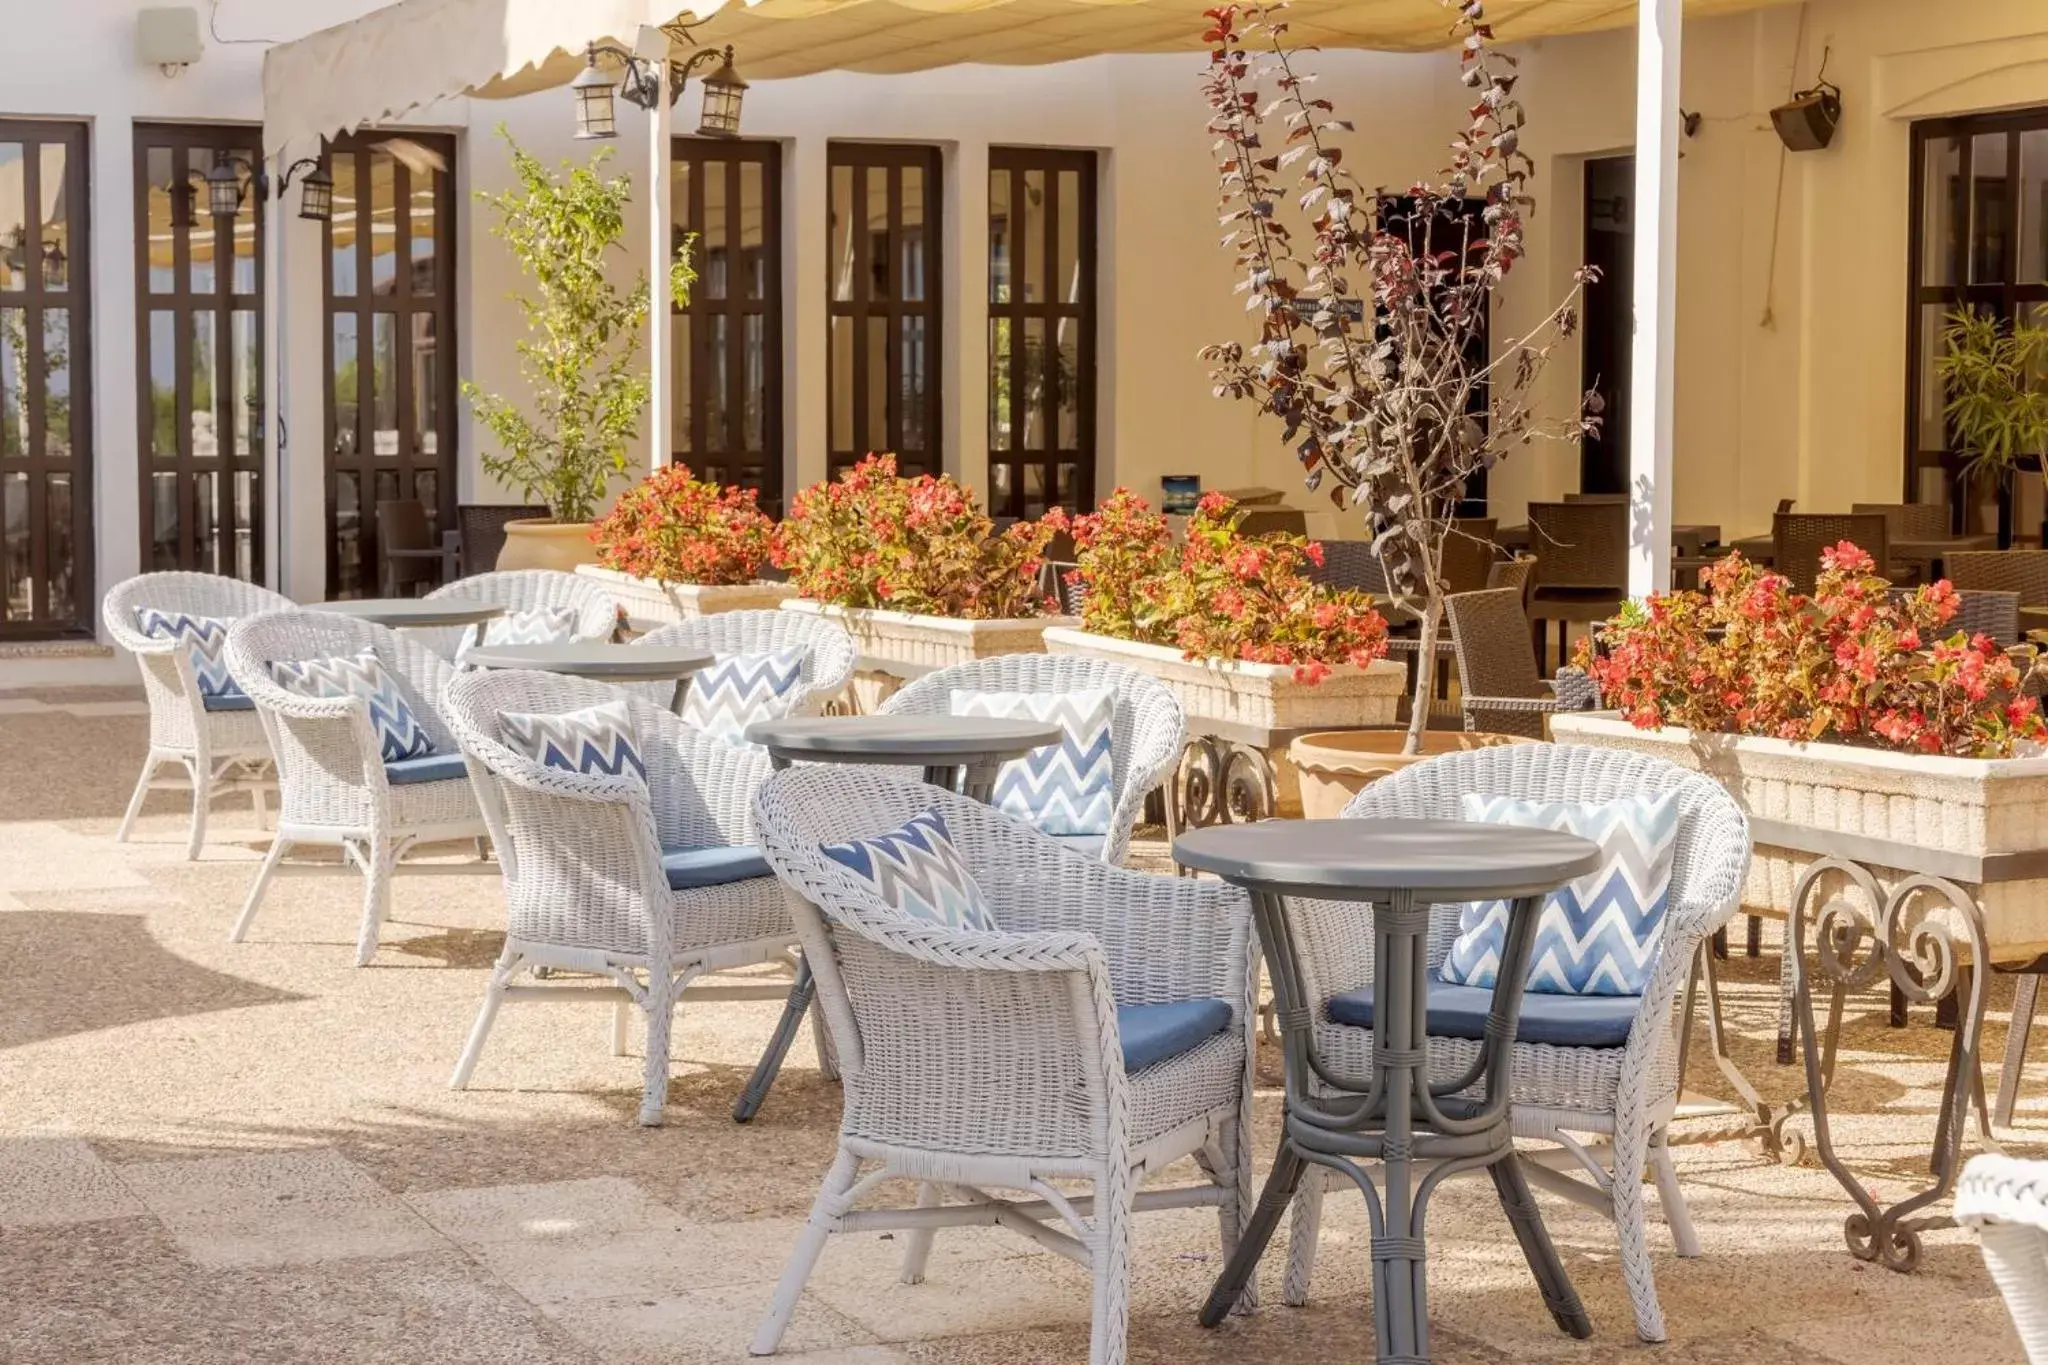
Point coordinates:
pixel 1989 250
pixel 877 201
pixel 206 520
pixel 753 228
pixel 876 438
pixel 753 382
pixel 426 386
pixel 163 521
pixel 13 221
pixel 348 533
pixel 384 385
pixel 426 487
pixel 202 228
pixel 57 248
pixel 715 382
pixel 912 368
pixel 679 203
pixel 244 245
pixel 2034 206
pixel 999 479
pixel 205 433
pixel 245 401
pixel 341 231
pixel 999 383
pixel 1032 234
pixel 841 232
pixel 913 233
pixel 421 241
pixel 1933 425
pixel 347 385
pixel 1066 376
pixel 163 222
pixel 62 571
pixel 247 486
pixel 712 238
pixel 842 383
pixel 163 384
pixel 1034 489
pixel 383 222
pixel 679 391
pixel 13 382
pixel 15 579
pixel 1067 278
pixel 999 236
pixel 57 383
pixel 1034 396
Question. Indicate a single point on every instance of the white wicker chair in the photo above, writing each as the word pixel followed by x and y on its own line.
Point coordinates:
pixel 219 749
pixel 829 652
pixel 332 785
pixel 2006 1201
pixel 993 1059
pixel 585 888
pixel 1146 735
pixel 1626 1093
pixel 597 611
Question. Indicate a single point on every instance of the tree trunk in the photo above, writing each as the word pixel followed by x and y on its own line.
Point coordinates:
pixel 1425 675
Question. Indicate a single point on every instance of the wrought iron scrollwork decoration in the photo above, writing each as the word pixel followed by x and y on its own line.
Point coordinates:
pixel 1222 781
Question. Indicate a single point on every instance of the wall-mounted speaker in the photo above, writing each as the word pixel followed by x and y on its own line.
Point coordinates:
pixel 1806 123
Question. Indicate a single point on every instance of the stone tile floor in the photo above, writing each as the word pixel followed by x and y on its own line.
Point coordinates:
pixel 247 1153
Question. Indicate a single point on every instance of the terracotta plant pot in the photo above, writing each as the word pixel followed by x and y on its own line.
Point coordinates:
pixel 539 544
pixel 1335 765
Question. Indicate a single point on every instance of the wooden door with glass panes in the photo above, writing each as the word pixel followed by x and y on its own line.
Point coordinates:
pixel 46 546
pixel 199 336
pixel 389 273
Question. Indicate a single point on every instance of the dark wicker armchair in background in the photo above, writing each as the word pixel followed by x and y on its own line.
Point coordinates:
pixel 1502 692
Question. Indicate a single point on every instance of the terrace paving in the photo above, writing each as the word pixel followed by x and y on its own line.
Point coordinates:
pixel 248 1153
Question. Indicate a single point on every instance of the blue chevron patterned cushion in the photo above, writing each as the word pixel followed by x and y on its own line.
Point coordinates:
pixel 1066 788
pixel 206 637
pixel 917 872
pixel 1598 934
pixel 596 741
pixel 740 689
pixel 399 733
pixel 537 626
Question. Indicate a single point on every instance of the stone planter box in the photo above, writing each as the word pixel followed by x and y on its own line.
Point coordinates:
pixel 1971 808
pixel 649 603
pixel 897 646
pixel 1257 704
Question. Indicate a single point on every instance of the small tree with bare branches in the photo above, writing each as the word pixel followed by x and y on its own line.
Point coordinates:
pixel 1388 395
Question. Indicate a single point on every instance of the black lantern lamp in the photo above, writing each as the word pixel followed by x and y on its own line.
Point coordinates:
pixel 594 110
pixel 224 192
pixel 723 93
pixel 316 189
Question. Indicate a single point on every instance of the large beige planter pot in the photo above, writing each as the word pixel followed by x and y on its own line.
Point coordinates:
pixel 897 646
pixel 559 545
pixel 1971 806
pixel 650 603
pixel 1336 765
pixel 1247 699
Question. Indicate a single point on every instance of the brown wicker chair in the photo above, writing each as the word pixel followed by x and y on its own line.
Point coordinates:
pixel 482 526
pixel 1996 614
pixel 1908 520
pixel 1518 573
pixel 1581 567
pixel 1798 538
pixel 409 559
pixel 2022 571
pixel 1501 691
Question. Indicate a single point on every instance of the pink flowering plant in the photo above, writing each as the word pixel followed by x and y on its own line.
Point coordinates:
pixel 1852 664
pixel 1218 593
pixel 873 538
pixel 673 527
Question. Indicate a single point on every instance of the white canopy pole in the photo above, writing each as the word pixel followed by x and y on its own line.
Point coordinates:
pixel 654 45
pixel 1653 375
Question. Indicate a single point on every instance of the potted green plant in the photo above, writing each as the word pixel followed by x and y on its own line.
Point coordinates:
pixel 1234 624
pixel 915 570
pixel 579 359
pixel 1990 369
pixel 675 547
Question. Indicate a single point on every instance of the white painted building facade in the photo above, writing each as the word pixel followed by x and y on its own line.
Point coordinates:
pixel 1793 319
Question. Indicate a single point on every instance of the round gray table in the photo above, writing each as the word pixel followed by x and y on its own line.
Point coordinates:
pixel 966 750
pixel 400 613
pixel 1396 1116
pixel 601 661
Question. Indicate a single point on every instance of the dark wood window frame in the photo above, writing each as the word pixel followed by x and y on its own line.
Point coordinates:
pixel 865 161
pixel 408 463
pixel 727 301
pixel 34 465
pixel 194 150
pixel 1020 374
pixel 2005 297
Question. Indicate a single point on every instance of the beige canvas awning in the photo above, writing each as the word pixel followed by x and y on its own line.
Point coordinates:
pixel 410 54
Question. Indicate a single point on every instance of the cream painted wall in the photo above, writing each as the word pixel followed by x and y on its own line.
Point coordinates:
pixel 1791 364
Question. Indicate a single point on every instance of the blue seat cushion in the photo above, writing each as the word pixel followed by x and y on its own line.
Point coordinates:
pixel 1460 1012
pixel 238 701
pixel 1155 1033
pixel 432 768
pixel 690 868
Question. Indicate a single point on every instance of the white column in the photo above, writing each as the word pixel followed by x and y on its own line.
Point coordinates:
pixel 654 45
pixel 1654 377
